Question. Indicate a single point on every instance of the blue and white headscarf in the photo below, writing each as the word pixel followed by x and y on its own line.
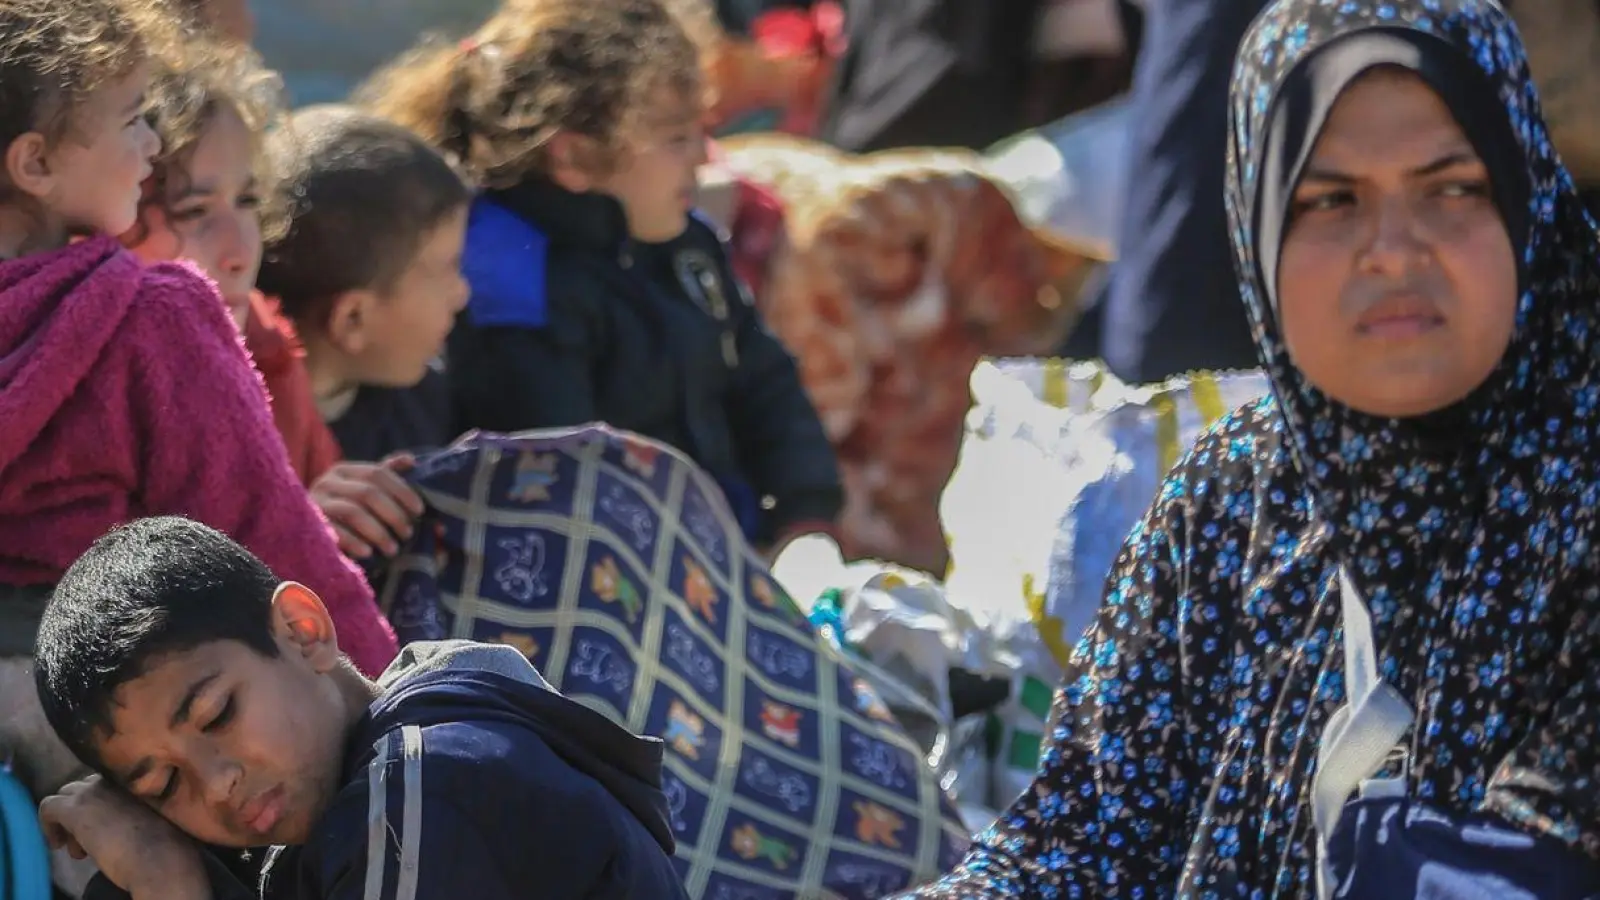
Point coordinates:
pixel 1183 744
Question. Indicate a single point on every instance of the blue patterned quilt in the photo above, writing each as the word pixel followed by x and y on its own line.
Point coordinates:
pixel 615 565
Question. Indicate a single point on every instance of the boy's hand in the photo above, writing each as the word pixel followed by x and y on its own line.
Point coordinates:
pixel 134 847
pixel 369 505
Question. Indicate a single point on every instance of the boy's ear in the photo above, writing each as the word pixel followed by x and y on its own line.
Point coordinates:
pixel 300 620
pixel 28 165
pixel 347 318
pixel 572 158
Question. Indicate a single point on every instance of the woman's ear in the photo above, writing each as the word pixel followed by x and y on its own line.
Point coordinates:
pixel 301 621
pixel 28 165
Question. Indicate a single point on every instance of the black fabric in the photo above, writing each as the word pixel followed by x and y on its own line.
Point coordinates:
pixel 1131 15
pixel 1172 305
pixel 383 421
pixel 1591 199
pixel 947 73
pixel 626 342
pixel 21 608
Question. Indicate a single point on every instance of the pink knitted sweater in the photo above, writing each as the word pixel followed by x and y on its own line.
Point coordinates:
pixel 125 392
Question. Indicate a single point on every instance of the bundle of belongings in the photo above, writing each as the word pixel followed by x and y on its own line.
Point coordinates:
pixel 616 566
pixel 1059 461
pixel 890 276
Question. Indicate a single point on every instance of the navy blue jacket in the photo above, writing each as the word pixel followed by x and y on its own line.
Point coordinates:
pixel 1407 849
pixel 471 777
pixel 572 322
pixel 1172 304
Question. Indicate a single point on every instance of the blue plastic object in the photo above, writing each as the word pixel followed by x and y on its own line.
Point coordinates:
pixel 24 858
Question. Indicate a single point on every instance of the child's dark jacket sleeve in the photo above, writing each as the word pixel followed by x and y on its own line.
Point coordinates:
pixel 227 882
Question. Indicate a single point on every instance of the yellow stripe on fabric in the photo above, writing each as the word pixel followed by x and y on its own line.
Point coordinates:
pixel 1166 409
pixel 1054 388
pixel 1207 398
pixel 1051 629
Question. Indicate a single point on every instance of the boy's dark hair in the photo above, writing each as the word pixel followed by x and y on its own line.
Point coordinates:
pixel 147 589
pixel 353 199
pixel 589 67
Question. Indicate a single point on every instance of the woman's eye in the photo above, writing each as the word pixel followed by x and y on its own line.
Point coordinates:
pixel 1323 202
pixel 249 201
pixel 1464 189
pixel 194 214
pixel 167 790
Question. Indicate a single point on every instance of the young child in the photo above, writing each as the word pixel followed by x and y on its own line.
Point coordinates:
pixel 189 676
pixel 365 226
pixel 123 389
pixel 201 203
pixel 595 294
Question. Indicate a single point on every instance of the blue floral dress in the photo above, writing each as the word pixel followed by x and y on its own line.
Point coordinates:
pixel 1183 742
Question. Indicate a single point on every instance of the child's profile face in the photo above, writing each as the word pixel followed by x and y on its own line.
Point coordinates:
pixel 657 179
pixel 235 748
pixel 405 328
pixel 209 213
pixel 96 169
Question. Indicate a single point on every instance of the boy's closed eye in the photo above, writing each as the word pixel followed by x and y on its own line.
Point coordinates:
pixel 206 724
pixel 208 708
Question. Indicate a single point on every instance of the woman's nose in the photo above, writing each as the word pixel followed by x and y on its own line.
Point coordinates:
pixel 1394 246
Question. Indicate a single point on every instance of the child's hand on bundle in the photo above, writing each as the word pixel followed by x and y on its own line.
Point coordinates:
pixel 135 848
pixel 369 505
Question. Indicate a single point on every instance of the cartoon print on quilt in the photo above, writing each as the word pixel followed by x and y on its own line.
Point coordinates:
pixel 614 564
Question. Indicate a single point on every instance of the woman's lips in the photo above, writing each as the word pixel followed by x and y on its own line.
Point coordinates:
pixel 1404 316
pixel 1404 326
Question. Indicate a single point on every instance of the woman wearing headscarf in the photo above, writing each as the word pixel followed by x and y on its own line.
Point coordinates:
pixel 1424 290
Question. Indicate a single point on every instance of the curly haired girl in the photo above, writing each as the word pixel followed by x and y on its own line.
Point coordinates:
pixel 596 295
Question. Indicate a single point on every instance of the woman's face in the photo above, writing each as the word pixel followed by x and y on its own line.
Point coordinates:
pixel 1397 284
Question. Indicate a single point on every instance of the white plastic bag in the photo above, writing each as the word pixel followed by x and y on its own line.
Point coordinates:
pixel 1059 461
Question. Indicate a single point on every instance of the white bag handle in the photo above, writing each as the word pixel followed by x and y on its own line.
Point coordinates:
pixel 1360 736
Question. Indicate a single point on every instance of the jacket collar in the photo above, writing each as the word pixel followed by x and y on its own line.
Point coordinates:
pixel 589 221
